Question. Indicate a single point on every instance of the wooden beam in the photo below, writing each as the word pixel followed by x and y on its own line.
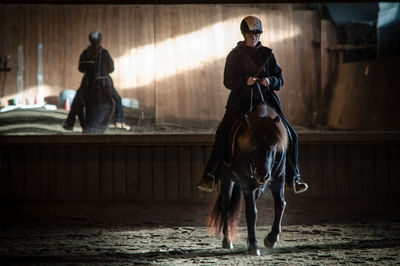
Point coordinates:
pixel 190 139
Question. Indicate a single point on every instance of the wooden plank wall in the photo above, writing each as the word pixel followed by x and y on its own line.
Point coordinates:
pixel 88 173
pixel 356 95
pixel 169 57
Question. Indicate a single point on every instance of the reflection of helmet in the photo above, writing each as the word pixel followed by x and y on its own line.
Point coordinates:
pixel 95 36
pixel 251 24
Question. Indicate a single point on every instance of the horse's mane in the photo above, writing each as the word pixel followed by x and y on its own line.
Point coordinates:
pixel 265 128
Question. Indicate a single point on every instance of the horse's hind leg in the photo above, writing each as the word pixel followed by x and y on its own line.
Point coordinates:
pixel 226 196
pixel 277 189
pixel 251 218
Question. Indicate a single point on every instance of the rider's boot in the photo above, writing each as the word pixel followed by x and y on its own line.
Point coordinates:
pixel 207 183
pixel 295 182
pixel 122 125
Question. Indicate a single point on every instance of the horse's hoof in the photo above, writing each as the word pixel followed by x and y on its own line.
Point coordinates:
pixel 227 244
pixel 269 243
pixel 254 251
pixel 67 126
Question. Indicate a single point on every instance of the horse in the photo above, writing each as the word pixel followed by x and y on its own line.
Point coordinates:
pixel 258 144
pixel 98 102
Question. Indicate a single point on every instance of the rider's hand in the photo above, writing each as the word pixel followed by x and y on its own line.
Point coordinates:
pixel 251 81
pixel 265 82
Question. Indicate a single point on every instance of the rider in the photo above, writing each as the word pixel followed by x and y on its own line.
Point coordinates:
pixel 248 65
pixel 95 54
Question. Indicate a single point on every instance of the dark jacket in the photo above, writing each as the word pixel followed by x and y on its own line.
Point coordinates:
pixel 91 56
pixel 244 62
pixel 94 64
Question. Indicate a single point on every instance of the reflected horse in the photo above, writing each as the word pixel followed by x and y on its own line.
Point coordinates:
pixel 98 102
pixel 258 154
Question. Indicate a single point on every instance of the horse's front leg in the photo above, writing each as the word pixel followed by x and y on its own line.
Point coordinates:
pixel 226 196
pixel 251 218
pixel 277 186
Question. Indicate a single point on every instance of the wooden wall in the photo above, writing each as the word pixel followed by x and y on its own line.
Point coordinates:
pixel 356 95
pixel 169 57
pixel 168 168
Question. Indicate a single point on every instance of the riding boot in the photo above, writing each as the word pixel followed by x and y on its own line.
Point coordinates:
pixel 293 178
pixel 207 183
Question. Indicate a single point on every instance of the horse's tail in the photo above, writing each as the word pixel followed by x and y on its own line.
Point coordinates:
pixel 219 215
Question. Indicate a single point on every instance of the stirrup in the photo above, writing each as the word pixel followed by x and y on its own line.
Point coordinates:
pixel 203 184
pixel 304 189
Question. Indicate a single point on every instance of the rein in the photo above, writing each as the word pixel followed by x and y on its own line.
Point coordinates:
pixel 97 74
pixel 252 96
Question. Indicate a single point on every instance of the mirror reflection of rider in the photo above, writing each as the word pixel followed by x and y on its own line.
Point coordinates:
pixel 247 64
pixel 89 56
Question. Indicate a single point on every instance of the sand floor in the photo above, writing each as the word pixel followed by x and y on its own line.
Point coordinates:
pixel 316 231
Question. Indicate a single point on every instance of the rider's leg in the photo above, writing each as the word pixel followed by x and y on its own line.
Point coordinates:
pixel 208 181
pixel 217 152
pixel 293 178
pixel 233 110
pixel 119 111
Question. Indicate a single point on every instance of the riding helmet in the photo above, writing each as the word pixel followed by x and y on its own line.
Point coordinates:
pixel 95 35
pixel 251 24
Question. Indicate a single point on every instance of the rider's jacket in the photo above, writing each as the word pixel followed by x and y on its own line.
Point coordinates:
pixel 244 62
pixel 96 56
pixel 100 61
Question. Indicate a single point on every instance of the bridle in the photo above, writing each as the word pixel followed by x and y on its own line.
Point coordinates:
pixel 272 171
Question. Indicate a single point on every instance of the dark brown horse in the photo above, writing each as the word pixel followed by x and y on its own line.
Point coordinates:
pixel 258 142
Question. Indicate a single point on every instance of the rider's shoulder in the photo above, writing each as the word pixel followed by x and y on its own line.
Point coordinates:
pixel 84 52
pixel 105 51
pixel 265 50
pixel 235 51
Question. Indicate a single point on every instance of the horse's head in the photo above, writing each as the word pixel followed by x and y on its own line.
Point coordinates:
pixel 264 137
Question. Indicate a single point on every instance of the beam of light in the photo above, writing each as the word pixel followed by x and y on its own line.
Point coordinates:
pixel 140 66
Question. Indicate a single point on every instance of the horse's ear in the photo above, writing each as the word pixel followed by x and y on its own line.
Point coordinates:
pixel 277 119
